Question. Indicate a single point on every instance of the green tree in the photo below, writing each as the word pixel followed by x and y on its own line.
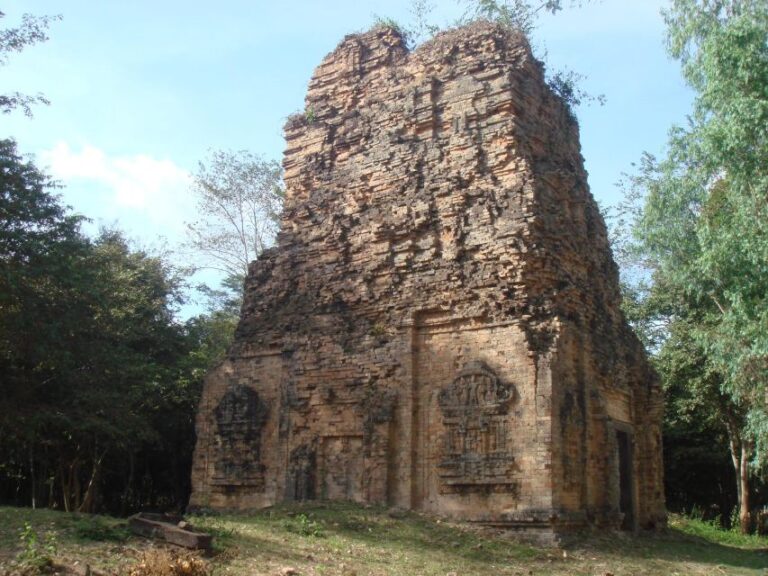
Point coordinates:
pixel 702 232
pixel 699 421
pixel 38 240
pixel 100 382
pixel 32 30
pixel 239 201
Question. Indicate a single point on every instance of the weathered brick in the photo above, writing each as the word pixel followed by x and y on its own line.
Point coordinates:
pixel 438 327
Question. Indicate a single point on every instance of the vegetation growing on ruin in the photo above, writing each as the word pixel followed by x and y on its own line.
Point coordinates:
pixel 518 15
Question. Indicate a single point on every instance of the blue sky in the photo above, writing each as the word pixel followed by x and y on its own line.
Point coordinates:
pixel 140 90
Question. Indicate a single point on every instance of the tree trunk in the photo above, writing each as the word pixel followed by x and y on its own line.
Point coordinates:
pixel 745 520
pixel 89 500
pixel 65 487
pixel 128 494
pixel 70 484
pixel 741 451
pixel 740 454
pixel 51 489
pixel 32 472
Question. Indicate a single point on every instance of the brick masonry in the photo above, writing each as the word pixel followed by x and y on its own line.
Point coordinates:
pixel 438 327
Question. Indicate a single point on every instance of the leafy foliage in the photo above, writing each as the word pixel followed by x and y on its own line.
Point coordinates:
pixel 36 553
pixel 520 15
pixel 701 234
pixel 100 382
pixel 381 22
pixel 239 199
pixel 32 30
pixel 567 85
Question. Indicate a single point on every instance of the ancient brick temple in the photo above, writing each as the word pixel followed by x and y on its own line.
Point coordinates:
pixel 438 327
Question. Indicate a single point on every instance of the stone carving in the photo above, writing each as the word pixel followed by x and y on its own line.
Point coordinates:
pixel 342 467
pixel 475 391
pixel 475 455
pixel 240 416
pixel 302 472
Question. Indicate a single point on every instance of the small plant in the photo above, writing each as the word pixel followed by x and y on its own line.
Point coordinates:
pixel 733 521
pixel 380 22
pixel 303 525
pixel 421 28
pixel 378 330
pixel 567 85
pixel 36 554
pixel 159 562
pixel 310 116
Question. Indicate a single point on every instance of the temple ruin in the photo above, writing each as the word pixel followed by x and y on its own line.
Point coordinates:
pixel 438 326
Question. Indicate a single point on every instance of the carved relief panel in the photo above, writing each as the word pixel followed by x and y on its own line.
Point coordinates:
pixel 342 468
pixel 300 484
pixel 475 453
pixel 240 417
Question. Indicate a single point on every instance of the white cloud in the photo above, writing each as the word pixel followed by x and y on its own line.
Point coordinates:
pixel 144 195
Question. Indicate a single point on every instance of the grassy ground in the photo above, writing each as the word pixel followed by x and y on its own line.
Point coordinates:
pixel 348 540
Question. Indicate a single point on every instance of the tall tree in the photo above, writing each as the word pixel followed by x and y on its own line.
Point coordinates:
pixel 38 240
pixel 239 201
pixel 99 382
pixel 703 230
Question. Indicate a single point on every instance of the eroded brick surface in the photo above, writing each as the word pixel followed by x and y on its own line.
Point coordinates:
pixel 438 327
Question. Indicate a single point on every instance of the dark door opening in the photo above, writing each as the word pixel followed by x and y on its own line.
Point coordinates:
pixel 626 499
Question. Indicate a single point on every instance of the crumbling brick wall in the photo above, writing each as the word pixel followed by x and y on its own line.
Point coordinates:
pixel 438 327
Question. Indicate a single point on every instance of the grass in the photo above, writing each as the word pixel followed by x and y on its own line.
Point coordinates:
pixel 711 532
pixel 348 540
pixel 100 541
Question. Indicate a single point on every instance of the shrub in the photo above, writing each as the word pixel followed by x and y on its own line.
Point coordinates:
pixel 303 525
pixel 36 554
pixel 161 562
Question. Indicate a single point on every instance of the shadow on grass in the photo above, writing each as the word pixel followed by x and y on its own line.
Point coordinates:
pixel 674 545
pixel 67 526
pixel 296 533
pixel 110 535
pixel 248 546
pixel 375 529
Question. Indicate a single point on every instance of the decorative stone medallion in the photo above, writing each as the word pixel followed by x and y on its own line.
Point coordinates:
pixel 475 456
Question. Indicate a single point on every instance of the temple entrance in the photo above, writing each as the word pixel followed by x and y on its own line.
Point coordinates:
pixel 626 480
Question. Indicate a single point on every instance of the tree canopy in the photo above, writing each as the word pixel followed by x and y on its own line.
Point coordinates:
pixel 702 231
pixel 32 30
pixel 100 381
pixel 239 199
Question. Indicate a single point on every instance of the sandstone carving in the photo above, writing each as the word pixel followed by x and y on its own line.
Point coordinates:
pixel 438 327
pixel 475 456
